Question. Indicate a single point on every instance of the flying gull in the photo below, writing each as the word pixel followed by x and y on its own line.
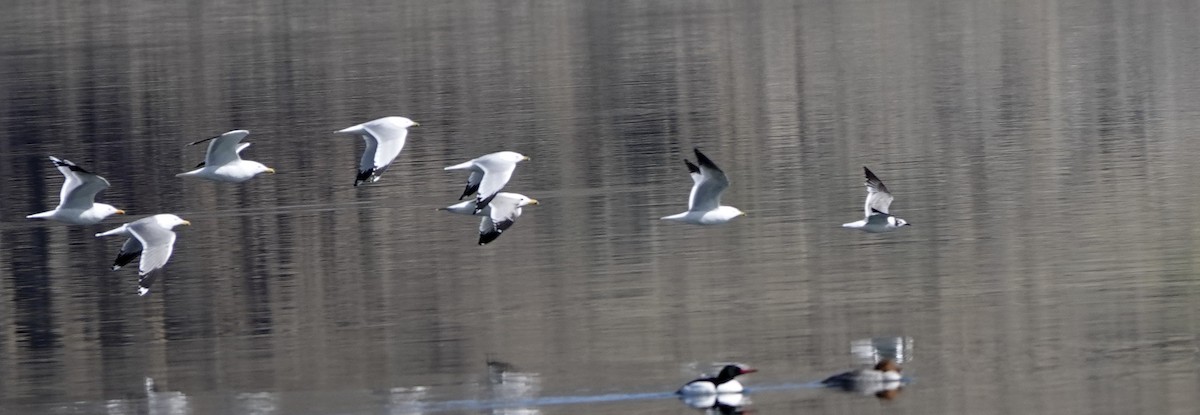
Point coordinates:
pixel 704 204
pixel 385 138
pixel 489 174
pixel 223 161
pixel 876 208
pixel 155 240
pixel 498 215
pixel 76 200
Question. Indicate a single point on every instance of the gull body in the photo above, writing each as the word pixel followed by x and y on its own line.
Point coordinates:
pixel 875 208
pixel 704 203
pixel 223 161
pixel 489 174
pixel 156 239
pixel 385 138
pixel 76 199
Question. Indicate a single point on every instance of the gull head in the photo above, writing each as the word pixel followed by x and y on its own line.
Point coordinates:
pixel 525 201
pixel 257 168
pixel 511 156
pixel 403 122
pixel 105 210
pixel 897 222
pixel 170 221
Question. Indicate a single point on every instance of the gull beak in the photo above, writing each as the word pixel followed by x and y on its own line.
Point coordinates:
pixel 534 201
pixel 120 212
pixel 186 223
pixel 416 124
pixel 270 170
pixel 743 214
pixel 526 158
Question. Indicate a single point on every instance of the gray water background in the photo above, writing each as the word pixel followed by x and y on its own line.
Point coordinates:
pixel 1043 150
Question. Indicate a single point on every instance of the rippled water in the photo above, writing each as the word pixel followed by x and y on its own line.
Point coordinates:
pixel 1044 152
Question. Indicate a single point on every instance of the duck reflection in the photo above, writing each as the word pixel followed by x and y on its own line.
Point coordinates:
pixel 725 403
pixel 514 391
pixel 881 378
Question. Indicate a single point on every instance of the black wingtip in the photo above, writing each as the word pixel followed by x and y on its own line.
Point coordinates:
pixel 874 211
pixel 704 160
pixel 692 168
pixel 66 163
pixel 867 172
pixel 363 176
pixel 204 140
pixel 485 238
pixel 200 165
pixel 123 259
pixel 480 204
pixel 469 190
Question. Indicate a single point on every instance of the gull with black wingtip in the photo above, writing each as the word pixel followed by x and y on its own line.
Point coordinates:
pixel 385 138
pixel 704 203
pixel 876 208
pixel 76 199
pixel 489 174
pixel 223 161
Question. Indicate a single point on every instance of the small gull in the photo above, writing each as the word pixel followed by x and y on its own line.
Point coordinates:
pixel 223 162
pixel 704 204
pixel 876 208
pixel 385 138
pixel 498 216
pixel 155 241
pixel 76 200
pixel 489 174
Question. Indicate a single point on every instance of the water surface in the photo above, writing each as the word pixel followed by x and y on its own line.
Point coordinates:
pixel 1044 152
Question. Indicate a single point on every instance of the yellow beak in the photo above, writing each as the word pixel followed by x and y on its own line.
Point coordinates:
pixel 743 213
pixel 120 212
pixel 416 124
pixel 526 158
pixel 187 223
pixel 270 170
pixel 533 201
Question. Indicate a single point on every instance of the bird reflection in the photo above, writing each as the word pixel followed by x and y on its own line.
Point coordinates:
pixel 882 379
pixel 406 401
pixel 507 385
pixel 725 403
pixel 165 403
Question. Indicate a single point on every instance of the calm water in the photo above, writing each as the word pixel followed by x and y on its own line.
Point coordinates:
pixel 1044 151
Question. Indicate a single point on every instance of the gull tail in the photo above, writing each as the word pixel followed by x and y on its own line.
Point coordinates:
pixel 459 166
pixel 41 215
pixel 190 173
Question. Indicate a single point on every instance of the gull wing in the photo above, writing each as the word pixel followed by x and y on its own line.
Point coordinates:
pixel 504 212
pixel 157 244
pixel 496 173
pixel 473 182
pixel 710 182
pixel 878 197
pixel 224 149
pixel 80 189
pixel 389 139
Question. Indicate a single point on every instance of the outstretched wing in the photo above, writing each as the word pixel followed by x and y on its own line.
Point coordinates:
pixel 389 137
pixel 224 149
pixel 157 244
pixel 878 197
pixel 504 212
pixel 496 173
pixel 473 182
pixel 80 189
pixel 710 182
